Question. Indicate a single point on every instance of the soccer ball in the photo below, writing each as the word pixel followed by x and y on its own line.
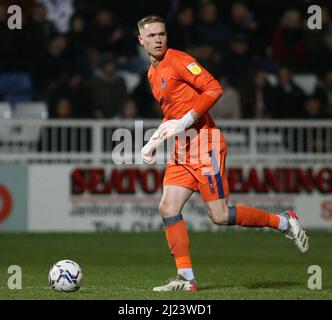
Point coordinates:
pixel 65 275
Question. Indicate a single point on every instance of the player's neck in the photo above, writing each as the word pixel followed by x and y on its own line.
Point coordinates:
pixel 155 61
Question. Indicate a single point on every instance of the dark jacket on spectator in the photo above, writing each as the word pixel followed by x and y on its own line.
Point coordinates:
pixel 288 102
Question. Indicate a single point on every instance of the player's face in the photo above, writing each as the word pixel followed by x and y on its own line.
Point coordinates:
pixel 154 39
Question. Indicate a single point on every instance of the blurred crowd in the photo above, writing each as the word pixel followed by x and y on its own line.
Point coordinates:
pixel 82 57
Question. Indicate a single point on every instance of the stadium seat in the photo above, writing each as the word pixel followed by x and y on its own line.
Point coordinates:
pixel 15 84
pixel 131 80
pixel 27 135
pixel 272 79
pixel 307 82
pixel 5 128
pixel 5 111
pixel 14 99
pixel 15 87
pixel 31 110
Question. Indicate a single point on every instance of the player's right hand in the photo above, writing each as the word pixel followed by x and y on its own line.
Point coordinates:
pixel 149 150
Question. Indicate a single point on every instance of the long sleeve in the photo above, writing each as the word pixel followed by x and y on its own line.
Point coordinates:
pixel 201 80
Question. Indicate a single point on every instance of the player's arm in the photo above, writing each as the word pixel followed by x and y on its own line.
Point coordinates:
pixel 148 151
pixel 188 70
pixel 200 79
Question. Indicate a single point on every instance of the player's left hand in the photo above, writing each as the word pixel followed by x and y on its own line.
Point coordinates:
pixel 170 128
pixel 149 150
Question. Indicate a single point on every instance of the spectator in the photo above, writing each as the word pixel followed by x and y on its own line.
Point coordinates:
pixel 238 61
pixel 257 96
pixel 228 106
pixel 109 90
pixel 323 58
pixel 314 39
pixel 78 94
pixel 51 67
pixel 12 54
pixel 229 38
pixel 61 109
pixel 77 38
pixel 161 8
pixel 266 15
pixel 102 29
pixel 91 61
pixel 38 31
pixel 313 108
pixel 129 110
pixel 107 34
pixel 288 98
pixel 182 32
pixel 208 56
pixel 210 28
pixel 72 139
pixel 6 39
pixel 288 40
pixel 242 21
pixel 326 87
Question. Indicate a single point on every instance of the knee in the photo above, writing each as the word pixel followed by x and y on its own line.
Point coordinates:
pixel 219 217
pixel 166 209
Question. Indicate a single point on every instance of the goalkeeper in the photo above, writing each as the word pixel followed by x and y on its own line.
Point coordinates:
pixel 185 92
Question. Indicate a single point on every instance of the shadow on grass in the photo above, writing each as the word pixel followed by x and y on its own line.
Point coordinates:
pixel 215 287
pixel 258 285
pixel 272 285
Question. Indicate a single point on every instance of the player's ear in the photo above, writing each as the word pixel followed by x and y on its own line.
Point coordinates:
pixel 140 39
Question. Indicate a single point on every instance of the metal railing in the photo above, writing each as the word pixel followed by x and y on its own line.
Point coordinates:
pixel 93 141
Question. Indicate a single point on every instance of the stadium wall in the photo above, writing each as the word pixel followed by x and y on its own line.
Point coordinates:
pixel 13 197
pixel 126 198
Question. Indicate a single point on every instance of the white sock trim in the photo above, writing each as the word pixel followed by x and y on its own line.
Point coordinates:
pixel 283 223
pixel 186 273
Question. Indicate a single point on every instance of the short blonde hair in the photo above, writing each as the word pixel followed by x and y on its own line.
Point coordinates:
pixel 149 19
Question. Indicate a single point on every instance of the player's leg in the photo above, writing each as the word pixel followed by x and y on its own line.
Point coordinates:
pixel 213 186
pixel 221 213
pixel 172 202
pixel 178 187
pixel 287 222
pixel 214 189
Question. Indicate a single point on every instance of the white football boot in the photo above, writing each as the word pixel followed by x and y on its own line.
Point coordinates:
pixel 295 232
pixel 178 284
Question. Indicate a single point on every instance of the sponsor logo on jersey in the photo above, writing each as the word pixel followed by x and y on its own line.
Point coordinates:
pixel 194 68
pixel 163 83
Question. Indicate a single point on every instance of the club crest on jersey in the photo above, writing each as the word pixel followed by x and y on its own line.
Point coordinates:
pixel 163 83
pixel 194 68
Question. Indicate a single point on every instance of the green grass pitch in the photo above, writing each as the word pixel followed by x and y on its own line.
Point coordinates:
pixel 228 265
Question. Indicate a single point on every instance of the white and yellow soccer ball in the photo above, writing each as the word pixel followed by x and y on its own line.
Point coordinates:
pixel 66 276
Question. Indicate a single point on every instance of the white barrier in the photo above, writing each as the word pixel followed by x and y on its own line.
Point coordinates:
pixel 74 185
pixel 93 141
